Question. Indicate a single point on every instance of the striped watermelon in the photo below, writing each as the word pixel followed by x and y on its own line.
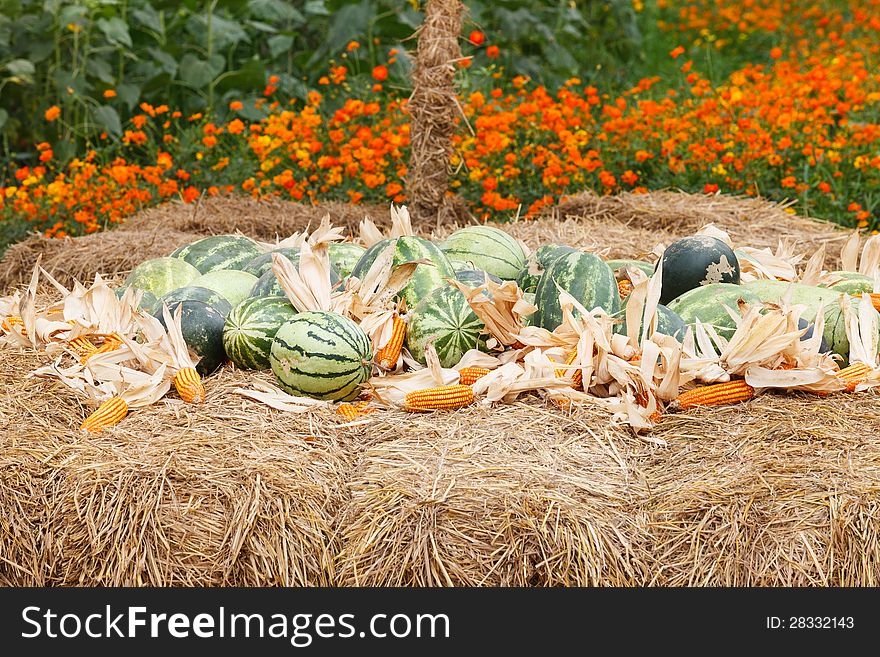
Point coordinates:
pixel 321 354
pixel 668 322
pixel 233 285
pixel 251 327
pixel 646 267
pixel 426 277
pixel 161 275
pixel 475 277
pixel 583 275
pixel 444 318
pixel 487 248
pixel 344 256
pixel 537 262
pixel 219 252
pixel 707 303
pixel 194 293
pixel 147 302
pixel 852 282
pixel 268 286
pixel 263 262
pixel 202 329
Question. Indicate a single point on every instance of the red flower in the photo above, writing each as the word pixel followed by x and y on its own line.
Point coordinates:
pixel 492 52
pixel 380 73
pixel 477 38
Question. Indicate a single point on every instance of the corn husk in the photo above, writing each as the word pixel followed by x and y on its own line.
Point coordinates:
pixel 500 307
pixel 280 400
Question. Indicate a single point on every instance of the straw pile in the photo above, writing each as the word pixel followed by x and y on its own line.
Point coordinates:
pixel 781 490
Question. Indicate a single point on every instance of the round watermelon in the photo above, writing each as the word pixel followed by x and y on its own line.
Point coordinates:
pixel 487 248
pixel 161 275
pixel 707 304
pixel 195 293
pixel 344 256
pixel 263 262
pixel 537 262
pixel 233 285
pixel 425 278
pixel 695 261
pixel 202 329
pixel 617 265
pixel 251 327
pixel 445 319
pixel 475 277
pixel 321 354
pixel 147 302
pixel 219 252
pixel 851 282
pixel 583 275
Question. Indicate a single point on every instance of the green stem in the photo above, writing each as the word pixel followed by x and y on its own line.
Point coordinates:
pixel 211 7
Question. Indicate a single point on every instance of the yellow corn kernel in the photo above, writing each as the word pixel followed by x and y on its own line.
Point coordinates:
pixel 82 347
pixel 577 376
pixel 469 375
pixel 353 411
pixel 387 356
pixel 714 395
pixel 111 342
pixel 854 375
pixel 439 398
pixel 9 323
pixel 189 386
pixel 108 414
pixel 624 287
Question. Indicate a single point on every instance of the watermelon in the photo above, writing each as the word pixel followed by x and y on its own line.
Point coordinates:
pixel 695 261
pixel 219 252
pixel 487 248
pixel 161 275
pixel 194 293
pixel 706 303
pixel 426 277
pixel 233 285
pixel 268 286
pixel 583 275
pixel 147 302
pixel 668 322
pixel 321 354
pixel 263 262
pixel 474 277
pixel 460 265
pixel 251 327
pixel 202 329
pixel 851 282
pixel 444 318
pixel 617 265
pixel 344 256
pixel 537 262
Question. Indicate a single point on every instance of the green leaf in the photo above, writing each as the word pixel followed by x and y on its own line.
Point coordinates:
pixel 149 18
pixel 107 117
pixel 348 23
pixel 278 44
pixel 100 69
pixel 21 69
pixel 275 11
pixel 4 115
pixel 129 94
pixel 165 61
pixel 40 50
pixel 316 8
pixel 199 73
pixel 116 31
pixel 250 76
pixel 227 33
pixel 72 13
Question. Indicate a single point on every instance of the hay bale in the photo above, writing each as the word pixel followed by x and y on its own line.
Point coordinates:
pixel 514 496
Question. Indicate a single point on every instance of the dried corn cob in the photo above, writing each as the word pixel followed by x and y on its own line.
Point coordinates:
pixel 189 386
pixel 387 356
pixel 577 376
pixel 82 347
pixel 714 395
pixel 469 375
pixel 111 342
pixel 439 398
pixel 624 287
pixel 10 322
pixel 875 299
pixel 353 411
pixel 854 375
pixel 108 414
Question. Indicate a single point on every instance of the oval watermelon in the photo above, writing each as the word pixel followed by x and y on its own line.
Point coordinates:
pixel 194 293
pixel 669 322
pixel 646 267
pixel 583 275
pixel 161 275
pixel 263 262
pixel 202 329
pixel 321 354
pixel 695 261
pixel 475 277
pixel 147 302
pixel 251 327
pixel 233 285
pixel 487 248
pixel 707 304
pixel 219 252
pixel 852 282
pixel 425 278
pixel 537 262
pixel 444 318
pixel 344 256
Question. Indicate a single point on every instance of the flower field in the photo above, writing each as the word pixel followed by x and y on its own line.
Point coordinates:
pixel 777 99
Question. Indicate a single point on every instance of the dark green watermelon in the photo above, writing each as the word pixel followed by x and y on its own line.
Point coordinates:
pixel 475 277
pixel 583 275
pixel 537 262
pixel 695 261
pixel 669 322
pixel 263 262
pixel 147 302
pixel 344 256
pixel 219 252
pixel 202 329
pixel 196 293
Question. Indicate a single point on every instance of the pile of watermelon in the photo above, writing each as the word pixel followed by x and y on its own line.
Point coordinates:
pixel 234 309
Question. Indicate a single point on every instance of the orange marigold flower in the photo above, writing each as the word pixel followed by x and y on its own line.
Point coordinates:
pixel 236 105
pixel 854 207
pixel 377 88
pixel 109 93
pixel 676 52
pixel 46 155
pixel 209 141
pixel 824 187
pixel 190 194
pixel 380 73
pixel 235 126
pixel 710 188
pixel 493 52
pixel 776 52
pixel 352 45
pixel 477 38
pixel 52 113
pixel 788 181
pixel 629 177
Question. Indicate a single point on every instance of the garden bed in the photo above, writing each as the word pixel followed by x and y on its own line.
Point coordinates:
pixel 781 490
